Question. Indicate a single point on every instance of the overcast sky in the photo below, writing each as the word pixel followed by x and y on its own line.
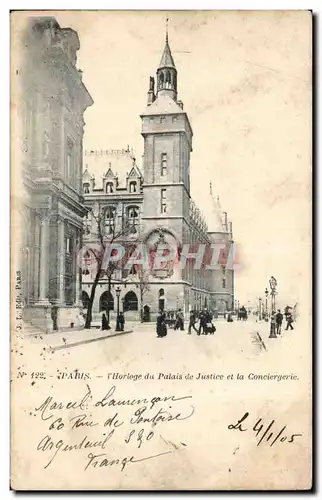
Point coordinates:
pixel 245 81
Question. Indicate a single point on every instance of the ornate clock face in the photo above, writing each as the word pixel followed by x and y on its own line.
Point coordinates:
pixel 161 244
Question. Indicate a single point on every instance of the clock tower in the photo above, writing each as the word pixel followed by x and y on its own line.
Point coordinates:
pixel 167 137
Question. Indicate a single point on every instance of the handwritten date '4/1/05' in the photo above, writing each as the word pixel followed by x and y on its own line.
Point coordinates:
pixel 268 433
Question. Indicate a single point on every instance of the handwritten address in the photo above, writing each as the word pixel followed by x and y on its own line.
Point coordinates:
pixel 111 425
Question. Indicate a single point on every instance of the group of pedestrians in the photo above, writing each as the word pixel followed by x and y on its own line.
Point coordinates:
pixel 200 322
pixel 279 320
pixel 205 322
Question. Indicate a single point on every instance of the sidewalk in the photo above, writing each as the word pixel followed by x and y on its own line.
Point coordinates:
pixel 73 338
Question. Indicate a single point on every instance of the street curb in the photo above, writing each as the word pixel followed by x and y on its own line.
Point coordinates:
pixel 88 341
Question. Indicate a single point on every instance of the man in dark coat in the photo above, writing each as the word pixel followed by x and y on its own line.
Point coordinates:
pixel 179 321
pixel 279 321
pixel 192 321
pixel 121 321
pixel 203 322
pixel 289 321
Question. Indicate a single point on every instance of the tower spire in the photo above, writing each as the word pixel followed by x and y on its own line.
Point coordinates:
pixel 166 72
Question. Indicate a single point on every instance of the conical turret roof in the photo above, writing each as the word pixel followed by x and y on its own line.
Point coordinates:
pixel 167 59
pixel 214 215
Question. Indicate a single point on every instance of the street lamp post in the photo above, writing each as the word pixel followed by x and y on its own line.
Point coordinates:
pixel 118 292
pixel 273 286
pixel 266 304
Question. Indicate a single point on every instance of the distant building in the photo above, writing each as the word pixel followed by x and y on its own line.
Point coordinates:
pixel 159 204
pixel 50 206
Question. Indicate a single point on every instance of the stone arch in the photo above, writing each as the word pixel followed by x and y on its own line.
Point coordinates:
pixel 106 301
pixel 130 301
pixel 85 299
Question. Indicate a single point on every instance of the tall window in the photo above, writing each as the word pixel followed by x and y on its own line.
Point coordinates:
pixel 109 187
pixel 110 220
pixel 133 187
pixel 87 224
pixel 163 201
pixel 86 187
pixel 70 162
pixel 164 164
pixel 133 218
pixel 223 275
pixel 68 245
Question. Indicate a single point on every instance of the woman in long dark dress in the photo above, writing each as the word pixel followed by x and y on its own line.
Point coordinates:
pixel 104 322
pixel 161 325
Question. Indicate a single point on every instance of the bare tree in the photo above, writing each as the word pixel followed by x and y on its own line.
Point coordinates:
pixel 141 278
pixel 144 285
pixel 115 235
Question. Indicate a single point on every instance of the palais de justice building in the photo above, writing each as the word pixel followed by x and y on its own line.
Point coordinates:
pixel 157 202
pixel 48 205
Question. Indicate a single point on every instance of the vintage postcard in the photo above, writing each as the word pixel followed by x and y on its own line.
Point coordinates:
pixel 161 320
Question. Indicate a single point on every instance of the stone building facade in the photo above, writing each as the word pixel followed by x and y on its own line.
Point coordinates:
pixel 48 204
pixel 157 200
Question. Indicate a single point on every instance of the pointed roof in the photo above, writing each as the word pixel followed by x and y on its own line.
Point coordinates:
pixel 214 219
pixel 167 59
pixel 86 175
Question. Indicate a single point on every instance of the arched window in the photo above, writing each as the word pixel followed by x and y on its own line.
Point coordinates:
pixel 174 80
pixel 133 218
pixel 106 302
pixel 110 213
pixel 161 80
pixel 133 187
pixel 109 188
pixel 168 77
pixel 161 299
pixel 86 188
pixel 130 302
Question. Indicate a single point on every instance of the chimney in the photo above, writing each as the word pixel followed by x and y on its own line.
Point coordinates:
pixel 225 221
pixel 230 228
pixel 151 94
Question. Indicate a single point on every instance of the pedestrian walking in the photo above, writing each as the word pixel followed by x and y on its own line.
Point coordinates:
pixel 192 322
pixel 279 321
pixel 105 325
pixel 289 321
pixel 161 325
pixel 203 317
pixel 121 321
pixel 179 321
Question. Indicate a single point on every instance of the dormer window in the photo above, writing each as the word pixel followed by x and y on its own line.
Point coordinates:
pixel 109 188
pixel 86 188
pixel 132 187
